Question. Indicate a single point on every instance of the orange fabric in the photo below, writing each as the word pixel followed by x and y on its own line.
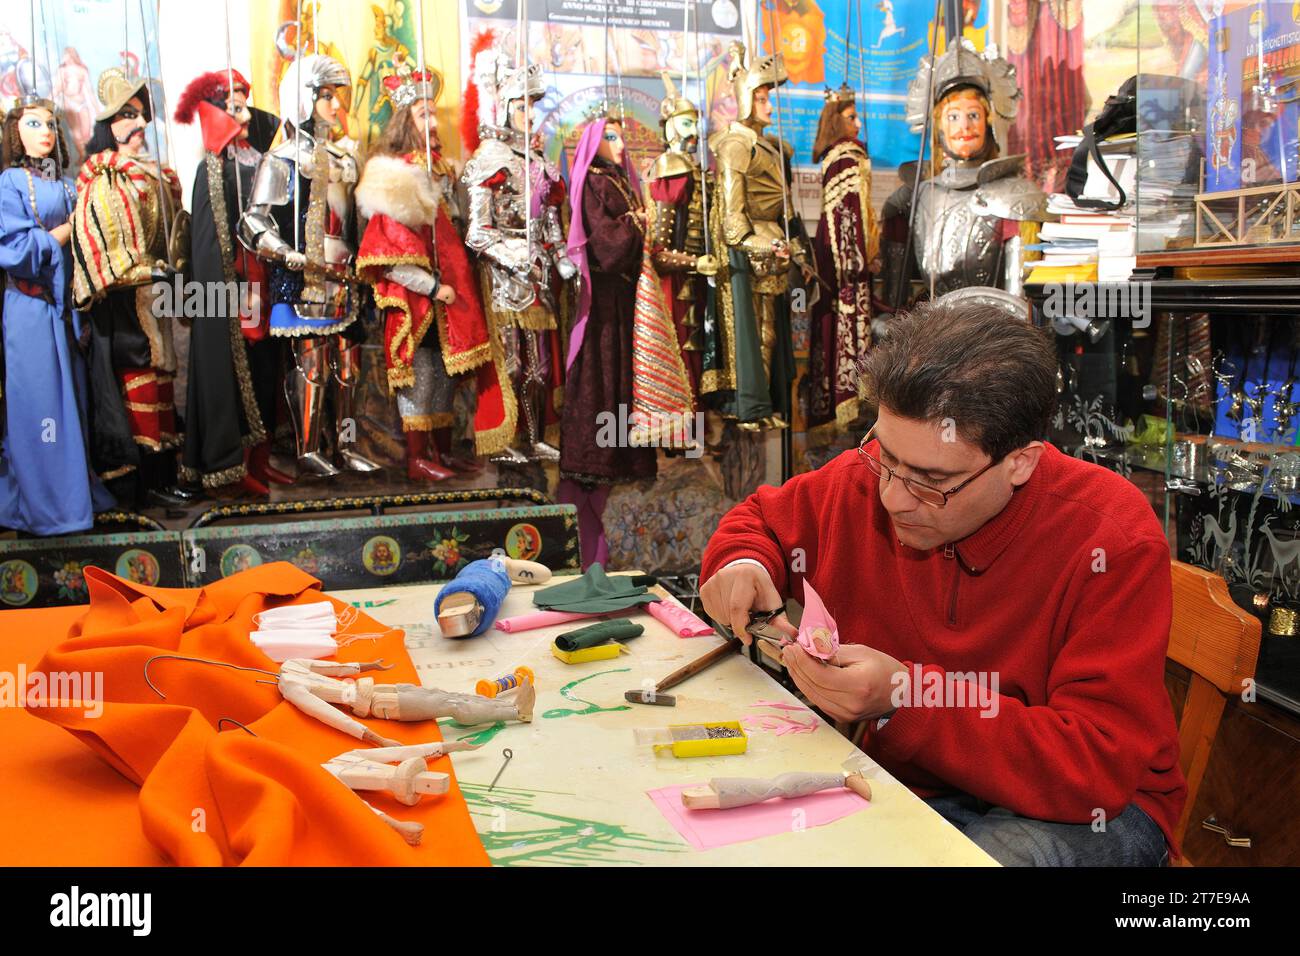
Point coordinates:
pixel 60 805
pixel 209 798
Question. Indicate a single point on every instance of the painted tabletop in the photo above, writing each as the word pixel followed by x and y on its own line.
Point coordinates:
pixel 575 789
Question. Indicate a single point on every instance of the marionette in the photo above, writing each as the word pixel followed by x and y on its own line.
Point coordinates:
pixel 128 212
pixel 974 210
pixel 230 399
pixel 46 482
pixel 434 327
pixel 301 221
pixel 675 228
pixel 845 247
pixel 514 225
pixel 750 361
pixel 606 240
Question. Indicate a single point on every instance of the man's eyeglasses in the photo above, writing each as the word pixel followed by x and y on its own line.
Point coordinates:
pixel 927 494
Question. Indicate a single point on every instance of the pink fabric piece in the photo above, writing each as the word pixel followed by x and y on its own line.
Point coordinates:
pixel 777 724
pixel 536 619
pixel 780 724
pixel 815 616
pixel 679 620
pixel 707 829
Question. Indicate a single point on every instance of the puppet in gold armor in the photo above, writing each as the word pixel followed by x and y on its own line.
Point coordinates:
pixel 748 360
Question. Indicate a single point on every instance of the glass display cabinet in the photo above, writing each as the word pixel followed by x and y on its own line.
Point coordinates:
pixel 1183 373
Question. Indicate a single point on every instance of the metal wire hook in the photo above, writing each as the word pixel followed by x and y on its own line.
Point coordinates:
pixel 198 660
pixel 231 720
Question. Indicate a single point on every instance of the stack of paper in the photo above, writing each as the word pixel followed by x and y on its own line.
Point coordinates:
pixel 1087 243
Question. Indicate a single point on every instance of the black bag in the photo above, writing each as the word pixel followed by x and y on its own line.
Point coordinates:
pixel 1118 116
pixel 1168 102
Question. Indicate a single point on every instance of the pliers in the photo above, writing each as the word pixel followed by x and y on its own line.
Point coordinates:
pixel 761 627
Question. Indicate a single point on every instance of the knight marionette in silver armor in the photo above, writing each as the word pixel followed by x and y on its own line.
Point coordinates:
pixel 301 218
pixel 748 358
pixel 521 249
pixel 974 209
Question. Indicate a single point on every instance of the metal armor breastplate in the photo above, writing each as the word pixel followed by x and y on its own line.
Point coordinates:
pixel 955 244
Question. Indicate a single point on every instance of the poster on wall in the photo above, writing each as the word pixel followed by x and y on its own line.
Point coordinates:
pixel 599 54
pixel 1250 131
pixel 70 44
pixel 373 40
pixel 875 46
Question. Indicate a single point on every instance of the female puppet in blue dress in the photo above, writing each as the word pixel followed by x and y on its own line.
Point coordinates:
pixel 46 485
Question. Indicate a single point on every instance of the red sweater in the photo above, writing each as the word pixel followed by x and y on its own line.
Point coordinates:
pixel 1083 719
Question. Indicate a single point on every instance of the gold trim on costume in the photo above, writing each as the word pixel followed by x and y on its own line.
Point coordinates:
pixel 493 440
pixel 238 348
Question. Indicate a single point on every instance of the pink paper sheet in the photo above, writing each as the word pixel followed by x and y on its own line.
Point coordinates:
pixel 707 829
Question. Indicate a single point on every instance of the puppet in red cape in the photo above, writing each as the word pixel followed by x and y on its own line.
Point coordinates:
pixel 434 327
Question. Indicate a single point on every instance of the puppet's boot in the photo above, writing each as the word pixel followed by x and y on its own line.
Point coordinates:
pixel 420 464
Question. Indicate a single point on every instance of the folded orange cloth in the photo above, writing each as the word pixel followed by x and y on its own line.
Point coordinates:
pixel 210 798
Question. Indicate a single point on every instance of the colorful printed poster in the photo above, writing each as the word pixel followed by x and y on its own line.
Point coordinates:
pixel 73 41
pixel 873 45
pixel 609 57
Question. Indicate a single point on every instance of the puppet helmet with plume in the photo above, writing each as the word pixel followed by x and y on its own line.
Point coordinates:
pixel 208 88
pixel 746 80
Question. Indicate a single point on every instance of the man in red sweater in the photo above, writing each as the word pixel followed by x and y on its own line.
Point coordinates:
pixel 1003 608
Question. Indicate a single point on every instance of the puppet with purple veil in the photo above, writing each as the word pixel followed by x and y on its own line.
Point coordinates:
pixel 606 238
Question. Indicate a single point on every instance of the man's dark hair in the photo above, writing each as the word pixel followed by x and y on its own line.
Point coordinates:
pixel 994 376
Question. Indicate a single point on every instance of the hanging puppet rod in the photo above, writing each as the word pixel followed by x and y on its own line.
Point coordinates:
pixel 424 88
pixel 780 132
pixel 903 282
pixel 230 96
pixel 297 140
pixel 156 109
pixel 701 141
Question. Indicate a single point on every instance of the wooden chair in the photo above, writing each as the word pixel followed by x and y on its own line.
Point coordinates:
pixel 1219 643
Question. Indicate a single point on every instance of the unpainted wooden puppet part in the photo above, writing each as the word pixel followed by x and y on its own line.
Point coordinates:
pixel 399 770
pixel 314 686
pixel 726 793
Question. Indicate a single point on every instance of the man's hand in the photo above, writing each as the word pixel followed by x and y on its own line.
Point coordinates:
pixel 733 592
pixel 858 682
pixel 446 295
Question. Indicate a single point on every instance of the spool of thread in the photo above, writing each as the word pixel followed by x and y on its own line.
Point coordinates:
pixel 499 685
pixel 488 581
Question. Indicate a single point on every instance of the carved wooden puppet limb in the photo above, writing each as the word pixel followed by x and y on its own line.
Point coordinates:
pixel 374 769
pixel 313 687
pixel 725 793
pixel 408 702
